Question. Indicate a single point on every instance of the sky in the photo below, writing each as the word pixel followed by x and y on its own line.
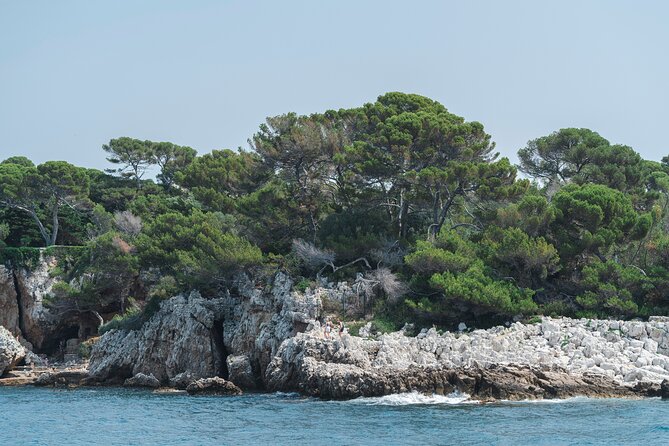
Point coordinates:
pixel 74 74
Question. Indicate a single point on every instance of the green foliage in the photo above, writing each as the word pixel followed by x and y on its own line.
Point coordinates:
pixel 85 349
pixel 483 294
pixel 130 320
pixel 19 160
pixel 4 232
pixel 29 257
pixel 132 155
pixel 216 179
pixel 303 284
pixel 449 253
pixel 560 155
pixel 593 217
pixel 20 257
pixel 399 183
pixel 354 233
pixel 528 260
pixel 531 213
pixel 171 159
pixel 42 191
pixel 424 157
pixel 272 217
pixel 383 325
pixel 196 249
pixel 610 288
pixel 452 266
pixel 166 287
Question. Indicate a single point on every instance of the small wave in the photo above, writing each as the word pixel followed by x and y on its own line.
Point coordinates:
pixel 287 394
pixel 573 399
pixel 415 398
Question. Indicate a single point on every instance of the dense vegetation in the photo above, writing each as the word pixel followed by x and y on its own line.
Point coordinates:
pixel 406 200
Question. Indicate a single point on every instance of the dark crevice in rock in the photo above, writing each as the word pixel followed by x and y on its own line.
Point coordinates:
pixel 299 327
pixel 220 352
pixel 19 303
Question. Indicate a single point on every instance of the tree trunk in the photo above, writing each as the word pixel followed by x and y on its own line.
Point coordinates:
pixel 403 212
pixel 441 216
pixel 55 224
pixel 42 230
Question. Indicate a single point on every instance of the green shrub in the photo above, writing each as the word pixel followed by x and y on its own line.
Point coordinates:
pixel 131 320
pixel 557 308
pixel 86 347
pixel 302 285
pixel 383 325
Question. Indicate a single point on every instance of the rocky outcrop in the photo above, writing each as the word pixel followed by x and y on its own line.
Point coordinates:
pixel 23 291
pixel 213 386
pixel 179 338
pixel 554 359
pixel 37 324
pixel 142 380
pixel 63 378
pixel 664 389
pixel 234 336
pixel 258 319
pixel 11 351
pixel 9 307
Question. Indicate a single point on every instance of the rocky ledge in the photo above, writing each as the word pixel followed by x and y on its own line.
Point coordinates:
pixel 556 358
pixel 11 351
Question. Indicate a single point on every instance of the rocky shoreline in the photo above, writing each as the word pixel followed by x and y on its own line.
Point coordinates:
pixel 268 338
pixel 557 358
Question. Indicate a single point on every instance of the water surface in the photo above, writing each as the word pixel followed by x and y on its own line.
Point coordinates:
pixel 109 416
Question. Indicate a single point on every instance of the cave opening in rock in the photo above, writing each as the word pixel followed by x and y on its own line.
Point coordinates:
pixel 54 346
pixel 219 351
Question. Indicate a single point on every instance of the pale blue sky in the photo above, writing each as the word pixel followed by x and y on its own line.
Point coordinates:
pixel 74 74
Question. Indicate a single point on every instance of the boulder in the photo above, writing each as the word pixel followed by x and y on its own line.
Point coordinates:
pixel 11 351
pixel 65 378
pixel 213 386
pixel 182 380
pixel 142 380
pixel 664 389
pixel 240 372
pixel 366 330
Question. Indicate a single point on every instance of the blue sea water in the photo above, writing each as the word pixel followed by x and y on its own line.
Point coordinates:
pixel 109 416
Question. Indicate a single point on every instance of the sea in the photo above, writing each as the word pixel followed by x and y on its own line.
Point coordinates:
pixel 117 416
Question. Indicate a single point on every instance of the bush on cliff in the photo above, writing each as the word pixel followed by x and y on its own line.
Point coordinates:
pixel 197 249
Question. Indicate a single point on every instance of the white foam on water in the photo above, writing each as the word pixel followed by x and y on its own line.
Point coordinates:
pixel 415 398
pixel 574 399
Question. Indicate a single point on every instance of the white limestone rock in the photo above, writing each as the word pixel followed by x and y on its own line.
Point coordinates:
pixel 11 351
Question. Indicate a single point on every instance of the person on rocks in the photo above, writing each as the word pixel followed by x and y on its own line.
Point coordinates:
pixel 341 328
pixel 328 328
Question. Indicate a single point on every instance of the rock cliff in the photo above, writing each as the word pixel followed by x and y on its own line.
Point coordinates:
pixel 233 336
pixel 22 309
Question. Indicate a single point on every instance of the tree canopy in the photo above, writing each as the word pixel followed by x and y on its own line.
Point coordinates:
pixel 404 199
